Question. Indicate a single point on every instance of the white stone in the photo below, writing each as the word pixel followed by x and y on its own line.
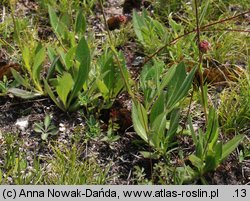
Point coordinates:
pixel 22 123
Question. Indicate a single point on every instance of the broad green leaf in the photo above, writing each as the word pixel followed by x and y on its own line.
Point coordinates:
pixel 176 81
pixel 175 26
pixel 47 121
pixel 137 124
pixel 52 53
pixel 210 162
pixel 167 78
pixel 52 96
pixel 230 146
pixel 52 68
pixel 108 69
pixel 26 58
pixel 138 23
pixel 157 108
pixel 218 152
pixel 158 127
pixel 180 91
pixel 81 25
pixel 212 157
pixel 142 115
pixel 44 136
pixel 65 20
pixel 2 87
pixel 102 87
pixel 69 58
pixel 118 88
pixel 65 84
pixel 23 93
pixel 174 123
pixel 36 68
pixel 197 162
pixel 57 25
pixel 125 76
pixel 54 20
pixel 38 127
pixel 20 79
pixel 212 131
pixel 83 56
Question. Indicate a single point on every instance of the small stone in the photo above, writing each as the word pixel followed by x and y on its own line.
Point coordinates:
pixel 22 123
pixel 62 127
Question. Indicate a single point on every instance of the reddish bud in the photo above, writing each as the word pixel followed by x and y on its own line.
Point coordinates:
pixel 204 46
pixel 122 18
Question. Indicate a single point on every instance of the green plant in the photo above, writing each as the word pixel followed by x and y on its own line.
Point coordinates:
pixel 234 110
pixel 66 26
pixel 74 72
pixel 73 62
pixel 163 93
pixel 33 55
pixel 93 128
pixel 4 85
pixel 67 168
pixel 104 83
pixel 16 169
pixel 140 176
pixel 147 30
pixel 209 152
pixel 46 128
pixel 33 60
pixel 245 153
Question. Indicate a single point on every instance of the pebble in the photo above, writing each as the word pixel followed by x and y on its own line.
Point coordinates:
pixel 22 123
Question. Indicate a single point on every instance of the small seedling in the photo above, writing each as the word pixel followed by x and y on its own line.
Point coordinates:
pixel 46 128
pixel 4 85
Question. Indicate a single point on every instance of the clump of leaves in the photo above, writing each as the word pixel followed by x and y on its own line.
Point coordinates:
pixel 209 151
pixel 156 120
pixel 93 127
pixel 46 128
pixel 147 30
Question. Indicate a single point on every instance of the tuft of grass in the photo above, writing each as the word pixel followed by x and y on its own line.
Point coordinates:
pixel 67 167
pixel 15 168
pixel 234 110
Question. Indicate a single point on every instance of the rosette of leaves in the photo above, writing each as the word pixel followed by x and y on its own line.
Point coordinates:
pixel 46 128
pixel 156 118
pixel 209 151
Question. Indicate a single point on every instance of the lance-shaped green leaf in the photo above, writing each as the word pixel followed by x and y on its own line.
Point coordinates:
pixel 138 24
pixel 20 79
pixel 230 146
pixel 64 86
pixel 139 126
pixel 36 68
pixel 81 25
pixel 82 56
pixel 179 85
pixel 52 95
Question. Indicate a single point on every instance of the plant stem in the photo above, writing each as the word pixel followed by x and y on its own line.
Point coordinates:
pixel 189 109
pixel 200 60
